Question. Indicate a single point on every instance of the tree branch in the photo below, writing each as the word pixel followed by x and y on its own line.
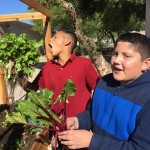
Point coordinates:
pixel 99 61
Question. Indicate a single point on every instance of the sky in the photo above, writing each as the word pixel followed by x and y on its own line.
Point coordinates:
pixel 13 7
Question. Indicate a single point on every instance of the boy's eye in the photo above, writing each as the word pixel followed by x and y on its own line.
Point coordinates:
pixel 114 54
pixel 127 56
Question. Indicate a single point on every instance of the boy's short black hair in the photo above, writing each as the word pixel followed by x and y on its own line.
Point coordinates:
pixel 72 35
pixel 140 42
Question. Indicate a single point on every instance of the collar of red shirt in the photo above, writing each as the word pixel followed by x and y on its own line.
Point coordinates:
pixel 72 57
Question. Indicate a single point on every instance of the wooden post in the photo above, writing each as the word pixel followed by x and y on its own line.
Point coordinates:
pixel 46 23
pixel 47 36
pixel 3 88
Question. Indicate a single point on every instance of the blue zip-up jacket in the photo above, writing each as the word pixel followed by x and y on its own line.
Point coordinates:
pixel 120 115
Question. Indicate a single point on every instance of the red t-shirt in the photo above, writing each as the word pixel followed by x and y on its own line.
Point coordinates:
pixel 81 71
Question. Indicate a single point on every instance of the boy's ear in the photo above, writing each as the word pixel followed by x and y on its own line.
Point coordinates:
pixel 67 41
pixel 146 64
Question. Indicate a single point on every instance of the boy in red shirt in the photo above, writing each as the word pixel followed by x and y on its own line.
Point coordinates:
pixel 66 65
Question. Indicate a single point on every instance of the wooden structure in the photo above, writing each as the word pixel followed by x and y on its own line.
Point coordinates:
pixel 42 140
pixel 3 88
pixel 42 13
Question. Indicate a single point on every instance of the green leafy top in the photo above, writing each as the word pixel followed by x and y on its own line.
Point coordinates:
pixel 34 111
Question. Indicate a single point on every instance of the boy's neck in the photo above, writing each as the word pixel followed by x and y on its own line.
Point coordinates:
pixel 62 59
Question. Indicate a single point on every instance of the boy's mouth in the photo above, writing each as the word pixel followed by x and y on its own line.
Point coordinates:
pixel 50 45
pixel 117 69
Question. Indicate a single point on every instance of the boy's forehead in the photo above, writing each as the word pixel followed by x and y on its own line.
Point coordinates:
pixel 60 33
pixel 124 44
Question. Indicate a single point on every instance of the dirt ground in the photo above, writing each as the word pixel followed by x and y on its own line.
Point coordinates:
pixel 16 136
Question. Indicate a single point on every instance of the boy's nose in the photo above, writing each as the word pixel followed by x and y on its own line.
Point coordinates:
pixel 117 59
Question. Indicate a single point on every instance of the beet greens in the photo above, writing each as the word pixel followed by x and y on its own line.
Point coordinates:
pixel 35 110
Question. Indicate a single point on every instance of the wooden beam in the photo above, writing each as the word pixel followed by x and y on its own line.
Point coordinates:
pixel 37 6
pixel 24 16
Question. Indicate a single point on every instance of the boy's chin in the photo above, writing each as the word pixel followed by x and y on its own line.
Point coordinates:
pixel 118 78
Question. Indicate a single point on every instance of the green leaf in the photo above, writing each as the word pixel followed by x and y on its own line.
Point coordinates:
pixel 23 106
pixel 3 46
pixel 54 116
pixel 15 117
pixel 68 90
pixel 18 117
pixel 44 96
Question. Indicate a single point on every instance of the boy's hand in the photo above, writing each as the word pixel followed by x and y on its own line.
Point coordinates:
pixel 72 123
pixel 75 139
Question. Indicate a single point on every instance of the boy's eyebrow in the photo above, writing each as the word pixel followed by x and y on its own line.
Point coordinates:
pixel 125 53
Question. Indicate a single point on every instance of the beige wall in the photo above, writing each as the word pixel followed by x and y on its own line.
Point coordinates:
pixel 20 27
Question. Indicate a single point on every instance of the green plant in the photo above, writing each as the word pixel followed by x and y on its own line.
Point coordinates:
pixel 19 144
pixel 34 111
pixel 18 55
pixel 16 144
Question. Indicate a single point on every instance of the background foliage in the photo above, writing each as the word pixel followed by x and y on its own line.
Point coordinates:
pixel 97 24
pixel 103 20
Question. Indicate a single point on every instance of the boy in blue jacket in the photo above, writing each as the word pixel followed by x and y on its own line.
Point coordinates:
pixel 119 114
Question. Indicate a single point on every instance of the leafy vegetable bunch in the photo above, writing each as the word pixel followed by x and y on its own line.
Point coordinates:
pixel 19 55
pixel 35 112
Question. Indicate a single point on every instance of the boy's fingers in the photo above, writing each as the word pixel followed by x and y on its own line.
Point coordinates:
pixel 65 132
pixel 69 143
pixel 65 135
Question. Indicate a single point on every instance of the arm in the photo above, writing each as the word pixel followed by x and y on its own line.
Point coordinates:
pixel 41 79
pixel 84 119
pixel 139 140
